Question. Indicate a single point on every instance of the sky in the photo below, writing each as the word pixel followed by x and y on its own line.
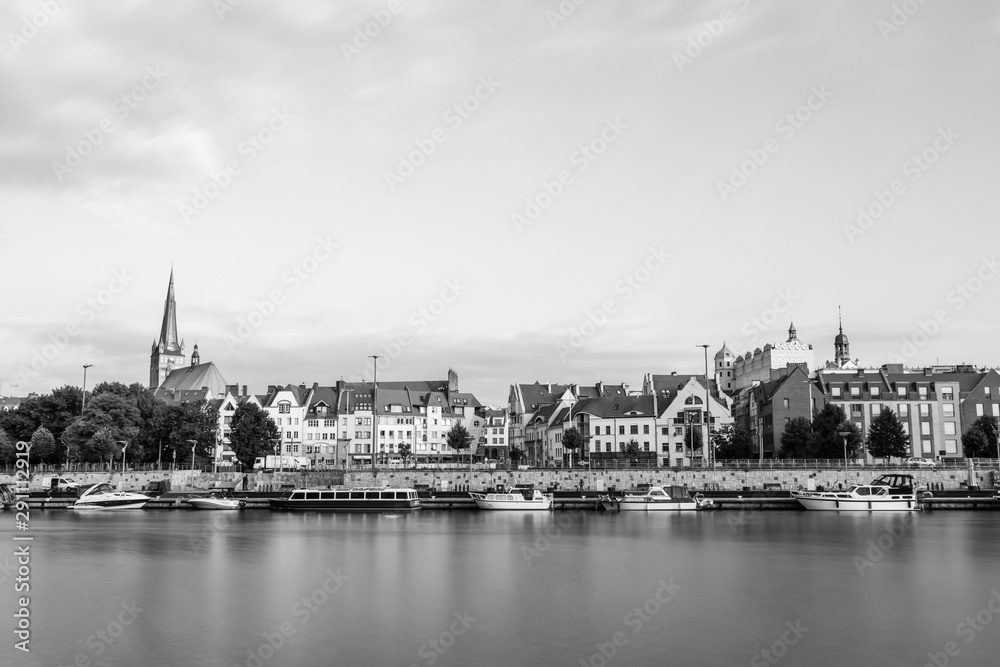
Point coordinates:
pixel 516 190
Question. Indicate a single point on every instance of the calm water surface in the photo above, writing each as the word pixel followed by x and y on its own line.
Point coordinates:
pixel 465 588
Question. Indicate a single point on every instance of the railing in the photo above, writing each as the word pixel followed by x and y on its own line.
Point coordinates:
pixel 834 464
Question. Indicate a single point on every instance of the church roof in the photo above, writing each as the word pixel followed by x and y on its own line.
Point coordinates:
pixel 193 378
pixel 169 340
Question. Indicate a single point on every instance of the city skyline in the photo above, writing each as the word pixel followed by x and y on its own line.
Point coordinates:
pixel 466 185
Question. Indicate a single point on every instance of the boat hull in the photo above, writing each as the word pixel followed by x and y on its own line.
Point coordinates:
pixel 505 502
pixel 346 505
pixel 645 506
pixel 905 503
pixel 214 504
pixel 110 504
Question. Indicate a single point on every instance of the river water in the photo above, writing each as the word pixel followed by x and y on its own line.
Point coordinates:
pixel 186 588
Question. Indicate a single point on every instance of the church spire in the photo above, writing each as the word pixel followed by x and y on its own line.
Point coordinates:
pixel 169 341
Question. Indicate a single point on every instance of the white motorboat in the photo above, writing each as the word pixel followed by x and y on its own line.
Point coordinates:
pixel 105 497
pixel 656 499
pixel 888 493
pixel 215 501
pixel 515 499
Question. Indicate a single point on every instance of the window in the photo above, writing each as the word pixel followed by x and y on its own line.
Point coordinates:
pixel 901 391
pixel 621 429
pixel 876 409
pixel 278 423
pixel 835 392
pixel 949 428
pixel 857 409
pixel 979 409
pixel 284 408
pixel 645 446
pixel 996 409
pixel 855 391
pixel 875 391
pixel 357 421
pixel 313 423
pixel 645 429
pixel 679 448
pixel 633 429
pixel 986 392
pixel 948 409
pixel 296 436
pixel 947 394
pixel 784 403
pixel 664 431
pixel 922 391
pixel 926 446
pixel 906 427
pixel 951 446
pixel 925 428
pixel 607 447
pixel 904 409
pixel 925 409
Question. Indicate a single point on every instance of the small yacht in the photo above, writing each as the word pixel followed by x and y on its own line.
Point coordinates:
pixel 656 499
pixel 889 493
pixel 348 500
pixel 105 497
pixel 215 501
pixel 515 499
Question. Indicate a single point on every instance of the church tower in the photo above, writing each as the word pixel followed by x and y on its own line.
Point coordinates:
pixel 168 352
pixel 841 347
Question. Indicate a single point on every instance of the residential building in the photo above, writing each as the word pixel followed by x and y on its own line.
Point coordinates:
pixel 765 408
pixel 610 424
pixel 493 441
pixel 680 406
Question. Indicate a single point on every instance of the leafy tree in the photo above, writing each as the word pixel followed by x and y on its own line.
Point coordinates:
pixel 20 423
pixel 405 450
pixel 516 453
pixel 459 438
pixel 632 449
pixel 8 452
pixel 732 442
pixel 184 422
pixel 693 438
pixel 797 440
pixel 108 419
pixel 251 432
pixel 572 440
pixel 43 445
pixel 886 436
pixel 827 441
pixel 980 439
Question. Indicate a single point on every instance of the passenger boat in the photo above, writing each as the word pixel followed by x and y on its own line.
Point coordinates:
pixel 889 493
pixel 656 499
pixel 364 499
pixel 215 501
pixel 105 497
pixel 515 499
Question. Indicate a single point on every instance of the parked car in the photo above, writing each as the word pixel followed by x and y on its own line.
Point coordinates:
pixel 920 462
pixel 63 484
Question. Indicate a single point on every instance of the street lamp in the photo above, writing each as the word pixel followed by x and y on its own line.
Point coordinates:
pixel 83 403
pixel 194 443
pixel 124 444
pixel 844 435
pixel 374 358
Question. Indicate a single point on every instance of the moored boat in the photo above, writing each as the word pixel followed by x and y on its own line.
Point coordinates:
pixel 364 499
pixel 105 497
pixel 656 499
pixel 514 499
pixel 889 493
pixel 215 501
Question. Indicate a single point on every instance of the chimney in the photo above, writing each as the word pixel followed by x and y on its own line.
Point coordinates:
pixel 244 391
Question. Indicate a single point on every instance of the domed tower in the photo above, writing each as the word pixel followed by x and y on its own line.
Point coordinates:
pixel 195 357
pixel 792 334
pixel 724 360
pixel 841 347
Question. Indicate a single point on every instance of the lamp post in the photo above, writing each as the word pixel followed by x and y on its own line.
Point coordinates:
pixel 124 444
pixel 844 435
pixel 375 358
pixel 194 443
pixel 708 412
pixel 159 454
pixel 83 403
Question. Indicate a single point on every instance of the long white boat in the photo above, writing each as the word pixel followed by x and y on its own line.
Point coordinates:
pixel 656 499
pixel 363 499
pixel 513 500
pixel 105 497
pixel 888 493
pixel 215 501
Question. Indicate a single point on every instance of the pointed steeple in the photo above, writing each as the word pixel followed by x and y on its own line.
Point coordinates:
pixel 791 332
pixel 841 346
pixel 169 342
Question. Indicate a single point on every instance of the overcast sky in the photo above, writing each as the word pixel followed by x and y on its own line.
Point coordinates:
pixel 480 179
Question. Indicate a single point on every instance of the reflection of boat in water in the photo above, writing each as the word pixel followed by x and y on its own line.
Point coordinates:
pixel 348 500
pixel 104 497
pixel 889 493
pixel 515 499
pixel 656 499
pixel 215 501
pixel 8 496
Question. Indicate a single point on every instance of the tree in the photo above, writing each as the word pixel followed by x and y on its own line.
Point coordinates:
pixel 827 441
pixel 980 439
pixel 8 452
pixel 405 450
pixel 516 453
pixel 108 419
pixel 572 440
pixel 797 440
pixel 886 436
pixel 459 438
pixel 693 438
pixel 251 433
pixel 185 422
pixel 732 442
pixel 43 445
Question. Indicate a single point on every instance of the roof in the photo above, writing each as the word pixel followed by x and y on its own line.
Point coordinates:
pixel 667 386
pixel 188 378
pixel 723 353
pixel 608 407
pixel 168 339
